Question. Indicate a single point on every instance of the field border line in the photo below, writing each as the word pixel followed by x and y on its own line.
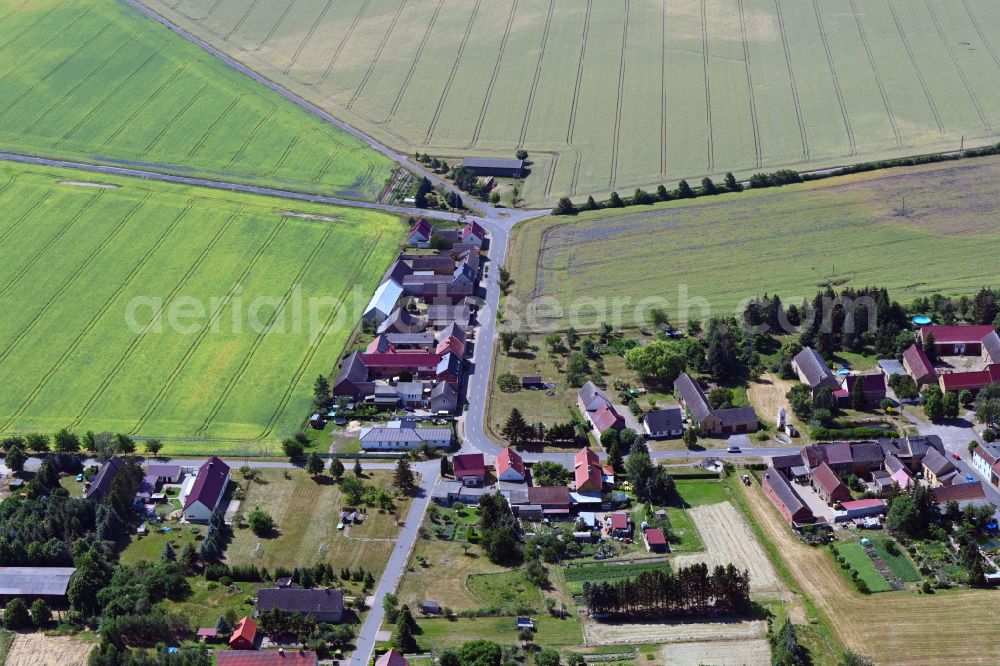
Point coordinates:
pixel 140 336
pixel 90 114
pixel 413 65
pixel 343 42
pixel 878 77
pixel 496 73
pixel 99 314
pixel 309 35
pixel 79 82
pixel 193 347
pixel 314 346
pixel 916 67
pixel 613 176
pixel 255 345
pixel 538 75
pixel 141 155
pixel 41 251
pixel 753 98
pixel 142 106
pixel 663 90
pixel 571 127
pixel 277 24
pixel 796 101
pixel 377 55
pixel 239 23
pixel 833 76
pixel 958 68
pixel 451 75
pixel 708 87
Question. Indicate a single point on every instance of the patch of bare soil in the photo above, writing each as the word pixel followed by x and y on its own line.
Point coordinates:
pixel 626 633
pixel 40 650
pixel 717 653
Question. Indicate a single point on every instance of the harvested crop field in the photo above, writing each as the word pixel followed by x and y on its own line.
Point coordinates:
pixel 717 653
pixel 39 650
pixel 95 81
pixel 713 252
pixel 631 633
pixel 196 316
pixel 728 540
pixel 885 627
pixel 613 95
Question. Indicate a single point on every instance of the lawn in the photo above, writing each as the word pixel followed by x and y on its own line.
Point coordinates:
pixel 95 81
pixel 151 546
pixel 196 316
pixel 551 632
pixel 305 515
pixel 704 257
pixel 578 574
pixel 698 492
pixel 509 589
pixel 682 527
pixel 614 95
pixel 859 561
pixel 897 561
pixel 210 600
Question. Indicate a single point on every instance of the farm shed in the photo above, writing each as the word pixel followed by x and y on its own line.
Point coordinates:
pixel 862 508
pixel 495 166
pixel 785 499
pixel 322 605
pixel 48 583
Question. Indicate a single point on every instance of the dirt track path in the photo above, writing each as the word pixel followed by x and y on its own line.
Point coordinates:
pixel 892 628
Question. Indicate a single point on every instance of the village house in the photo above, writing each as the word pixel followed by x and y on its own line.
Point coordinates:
pixel 323 605
pixel 280 657
pixel 969 380
pixel 495 166
pixel 910 450
pixel 510 466
pixel 828 485
pixel 469 468
pixel 619 525
pixel 392 658
pixel 207 491
pixel 986 460
pixel 898 472
pixel 837 455
pixel 598 410
pixel 420 233
pixel 656 541
pixel 712 421
pixel 101 484
pixel 402 321
pixel 918 366
pixel 864 508
pixel 938 470
pixel 966 493
pixel 865 458
pixel 813 371
pixel 663 423
pixel 404 436
pixel 975 340
pixel 587 472
pixel 244 635
pixel 552 501
pixel 872 386
pixel 785 499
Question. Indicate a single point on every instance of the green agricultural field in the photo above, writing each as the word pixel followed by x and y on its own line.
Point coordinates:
pixel 624 93
pixel 715 252
pixel 96 81
pixel 193 315
pixel 859 561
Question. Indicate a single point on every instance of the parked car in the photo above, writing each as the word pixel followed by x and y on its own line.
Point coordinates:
pixel 733 449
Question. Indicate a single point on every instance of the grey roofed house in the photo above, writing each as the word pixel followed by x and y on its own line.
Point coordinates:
pixel 591 397
pixel 736 415
pixel 353 378
pixel 397 271
pixel 401 321
pixel 409 339
pixel 34 582
pixel 938 464
pixel 666 421
pixel 694 398
pixel 324 605
pixel 495 166
pixel 991 346
pixel 890 367
pixel 893 464
pixel 452 330
pixel 444 398
pixel 813 370
pixel 867 453
pixel 433 262
pixel 165 473
pixel 101 485
pixel 442 315
pixel 786 461
pixel 405 437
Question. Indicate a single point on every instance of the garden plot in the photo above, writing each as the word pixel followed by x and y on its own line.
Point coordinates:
pixel 40 650
pixel 630 633
pixel 718 653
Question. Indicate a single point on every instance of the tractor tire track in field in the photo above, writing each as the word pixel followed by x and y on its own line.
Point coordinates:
pixel 878 78
pixel 215 123
pixel 211 10
pixel 142 106
pixel 261 335
pixel 309 34
pixel 413 65
pixel 833 76
pixel 141 335
pixel 340 47
pixel 571 126
pixel 708 88
pixel 378 54
pixel 97 107
pixel 496 73
pixel 59 234
pixel 25 215
pixel 552 174
pixel 314 346
pixel 101 311
pixel 52 71
pixel 79 83
pixel 538 75
pixel 663 89
pixel 71 280
pixel 454 70
pixel 274 28
pixel 796 102
pixel 982 36
pixel 958 68
pixel 916 68
pixel 265 119
pixel 284 156
pixel 616 137
pixel 167 125
pixel 31 25
pixel 239 24
pixel 176 372
pixel 753 100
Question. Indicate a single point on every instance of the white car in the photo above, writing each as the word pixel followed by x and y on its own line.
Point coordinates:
pixel 733 449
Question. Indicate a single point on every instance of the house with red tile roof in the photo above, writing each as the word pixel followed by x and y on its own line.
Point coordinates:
pixel 619 525
pixel 872 385
pixel 207 491
pixel 655 540
pixel 420 233
pixel 828 485
pixel 392 658
pixel 956 340
pixel 606 417
pixel 510 466
pixel 971 380
pixel 244 635
pixel 472 233
pixel 587 472
pixel 785 499
pixel 918 366
pixel 469 468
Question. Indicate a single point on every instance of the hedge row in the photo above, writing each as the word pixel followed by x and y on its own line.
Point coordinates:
pixel 826 434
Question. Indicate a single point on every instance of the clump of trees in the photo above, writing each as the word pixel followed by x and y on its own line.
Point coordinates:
pixel 662 593
pixel 498 528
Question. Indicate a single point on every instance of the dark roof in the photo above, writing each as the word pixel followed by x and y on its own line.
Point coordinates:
pixel 659 420
pixel 432 262
pixel 867 452
pixel 589 391
pixel 960 492
pixel 736 416
pixel 353 369
pixel 548 495
pixel 34 581
pixel 937 463
pixel 425 338
pixel 400 320
pixel 301 600
pixel 493 163
pixel 447 314
pixel 828 480
pixel 163 471
pixel 210 483
pixel 693 397
pixel 101 485
pixel 779 485
pixel 442 389
pixel 452 330
pixel 814 368
pixel 893 464
pixel 869 383
pixel 787 461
